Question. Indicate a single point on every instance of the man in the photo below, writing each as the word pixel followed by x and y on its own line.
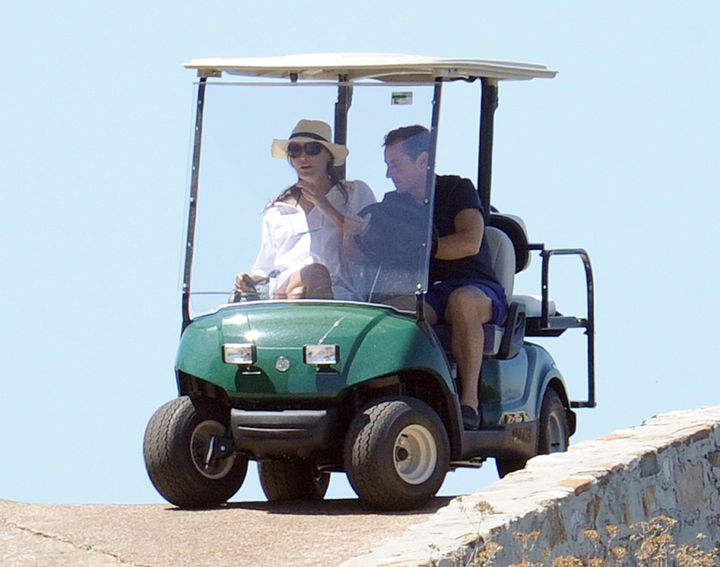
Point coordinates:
pixel 463 290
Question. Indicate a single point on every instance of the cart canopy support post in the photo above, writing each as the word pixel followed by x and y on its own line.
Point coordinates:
pixel 429 195
pixel 342 106
pixel 192 206
pixel 488 105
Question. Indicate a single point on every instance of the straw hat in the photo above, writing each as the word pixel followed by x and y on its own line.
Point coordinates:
pixel 311 131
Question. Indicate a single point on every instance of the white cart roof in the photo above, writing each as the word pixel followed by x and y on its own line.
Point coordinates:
pixel 384 67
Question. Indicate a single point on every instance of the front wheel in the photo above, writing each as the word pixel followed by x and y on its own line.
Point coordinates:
pixel 396 454
pixel 188 455
pixel 283 480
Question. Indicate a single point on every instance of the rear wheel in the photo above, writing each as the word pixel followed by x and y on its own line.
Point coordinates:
pixel 553 433
pixel 188 455
pixel 292 479
pixel 396 454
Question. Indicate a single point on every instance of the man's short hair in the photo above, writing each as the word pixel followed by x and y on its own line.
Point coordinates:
pixel 415 139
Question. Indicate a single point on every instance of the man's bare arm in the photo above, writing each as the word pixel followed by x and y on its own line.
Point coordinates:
pixel 466 239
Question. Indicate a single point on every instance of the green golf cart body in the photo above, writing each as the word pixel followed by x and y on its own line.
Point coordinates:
pixel 361 385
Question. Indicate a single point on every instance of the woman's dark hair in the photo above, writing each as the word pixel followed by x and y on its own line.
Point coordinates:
pixel 294 191
pixel 415 139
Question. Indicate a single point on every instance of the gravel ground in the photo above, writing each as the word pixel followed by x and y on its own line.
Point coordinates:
pixel 243 533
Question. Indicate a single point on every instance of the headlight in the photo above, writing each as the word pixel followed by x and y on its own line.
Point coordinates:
pixel 321 355
pixel 235 353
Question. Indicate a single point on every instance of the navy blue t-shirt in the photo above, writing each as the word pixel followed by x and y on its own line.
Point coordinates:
pixel 452 195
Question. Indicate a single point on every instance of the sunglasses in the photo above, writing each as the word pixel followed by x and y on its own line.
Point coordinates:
pixel 295 150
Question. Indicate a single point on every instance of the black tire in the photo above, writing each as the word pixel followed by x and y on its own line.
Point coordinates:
pixel 396 454
pixel 553 433
pixel 177 442
pixel 284 480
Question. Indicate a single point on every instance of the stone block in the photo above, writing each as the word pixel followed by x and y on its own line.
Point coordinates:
pixel 577 485
pixel 690 489
pixel 714 459
pixel 649 466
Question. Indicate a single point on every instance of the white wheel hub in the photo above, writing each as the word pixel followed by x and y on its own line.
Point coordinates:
pixel 415 454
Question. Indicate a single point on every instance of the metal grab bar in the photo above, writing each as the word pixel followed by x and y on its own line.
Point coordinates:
pixel 588 323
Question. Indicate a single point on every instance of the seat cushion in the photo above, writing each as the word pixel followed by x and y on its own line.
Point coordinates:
pixel 502 257
pixel 533 305
pixel 514 227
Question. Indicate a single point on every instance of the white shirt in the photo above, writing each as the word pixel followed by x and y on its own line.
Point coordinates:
pixel 291 239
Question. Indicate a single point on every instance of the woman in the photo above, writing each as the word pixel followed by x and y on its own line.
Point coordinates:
pixel 303 228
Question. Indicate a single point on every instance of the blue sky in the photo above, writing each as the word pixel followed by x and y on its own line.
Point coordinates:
pixel 618 154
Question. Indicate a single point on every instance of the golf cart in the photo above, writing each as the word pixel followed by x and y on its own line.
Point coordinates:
pixel 361 385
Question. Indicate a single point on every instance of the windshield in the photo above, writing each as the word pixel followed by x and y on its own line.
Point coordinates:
pixel 263 216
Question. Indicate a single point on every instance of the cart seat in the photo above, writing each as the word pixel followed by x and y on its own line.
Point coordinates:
pixel 504 341
pixel 514 227
pixel 533 305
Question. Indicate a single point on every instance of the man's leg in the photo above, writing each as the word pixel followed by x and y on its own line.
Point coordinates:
pixel 468 309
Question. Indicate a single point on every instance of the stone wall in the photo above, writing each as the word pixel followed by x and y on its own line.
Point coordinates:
pixel 648 495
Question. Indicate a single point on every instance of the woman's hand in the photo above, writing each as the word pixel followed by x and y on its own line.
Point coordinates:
pixel 317 197
pixel 313 194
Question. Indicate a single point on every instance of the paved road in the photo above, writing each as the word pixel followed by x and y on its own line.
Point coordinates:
pixel 244 533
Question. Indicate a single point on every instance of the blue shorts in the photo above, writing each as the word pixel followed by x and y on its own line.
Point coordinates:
pixel 439 294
